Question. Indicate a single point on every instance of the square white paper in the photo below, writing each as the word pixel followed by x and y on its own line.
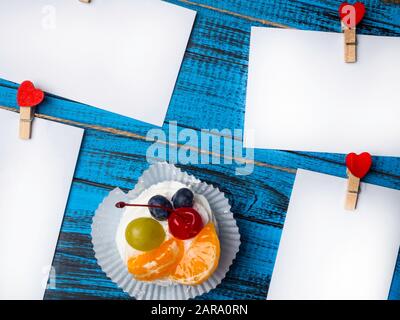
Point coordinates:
pixel 123 56
pixel 327 252
pixel 35 179
pixel 302 95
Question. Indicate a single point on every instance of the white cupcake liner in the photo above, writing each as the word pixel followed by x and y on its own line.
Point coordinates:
pixel 107 218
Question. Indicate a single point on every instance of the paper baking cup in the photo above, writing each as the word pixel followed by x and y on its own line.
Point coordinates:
pixel 107 218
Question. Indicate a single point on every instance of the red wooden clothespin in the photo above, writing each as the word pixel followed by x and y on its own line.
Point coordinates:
pixel 351 16
pixel 357 168
pixel 28 97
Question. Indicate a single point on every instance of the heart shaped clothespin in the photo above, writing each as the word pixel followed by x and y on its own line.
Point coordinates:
pixel 350 16
pixel 357 168
pixel 28 97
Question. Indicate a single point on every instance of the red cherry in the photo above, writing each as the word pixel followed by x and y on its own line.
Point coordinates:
pixel 185 223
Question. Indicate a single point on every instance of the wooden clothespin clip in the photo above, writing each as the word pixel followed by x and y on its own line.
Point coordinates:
pixel 351 16
pixel 350 45
pixel 357 168
pixel 28 97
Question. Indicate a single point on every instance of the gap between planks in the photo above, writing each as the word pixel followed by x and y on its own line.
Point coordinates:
pixel 128 134
pixel 235 14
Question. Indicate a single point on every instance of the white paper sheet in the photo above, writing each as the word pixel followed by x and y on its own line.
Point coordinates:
pixel 121 55
pixel 35 179
pixel 302 95
pixel 326 252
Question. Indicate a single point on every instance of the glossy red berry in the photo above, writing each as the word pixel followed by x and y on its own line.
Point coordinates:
pixel 185 223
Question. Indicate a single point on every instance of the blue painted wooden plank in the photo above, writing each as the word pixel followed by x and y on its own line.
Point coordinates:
pixel 395 288
pixel 381 18
pixel 259 202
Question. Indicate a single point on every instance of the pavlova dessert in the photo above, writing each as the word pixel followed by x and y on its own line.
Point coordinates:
pixel 168 235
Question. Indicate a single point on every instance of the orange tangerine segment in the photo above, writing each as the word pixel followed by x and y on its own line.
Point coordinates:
pixel 157 263
pixel 201 258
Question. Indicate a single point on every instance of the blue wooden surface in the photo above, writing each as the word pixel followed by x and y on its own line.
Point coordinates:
pixel 210 93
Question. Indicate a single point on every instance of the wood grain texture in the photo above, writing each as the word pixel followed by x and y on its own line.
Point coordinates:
pixel 210 93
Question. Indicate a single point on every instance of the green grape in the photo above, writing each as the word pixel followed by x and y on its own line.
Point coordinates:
pixel 144 234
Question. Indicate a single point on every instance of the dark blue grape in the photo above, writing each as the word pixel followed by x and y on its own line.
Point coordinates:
pixel 160 214
pixel 183 198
